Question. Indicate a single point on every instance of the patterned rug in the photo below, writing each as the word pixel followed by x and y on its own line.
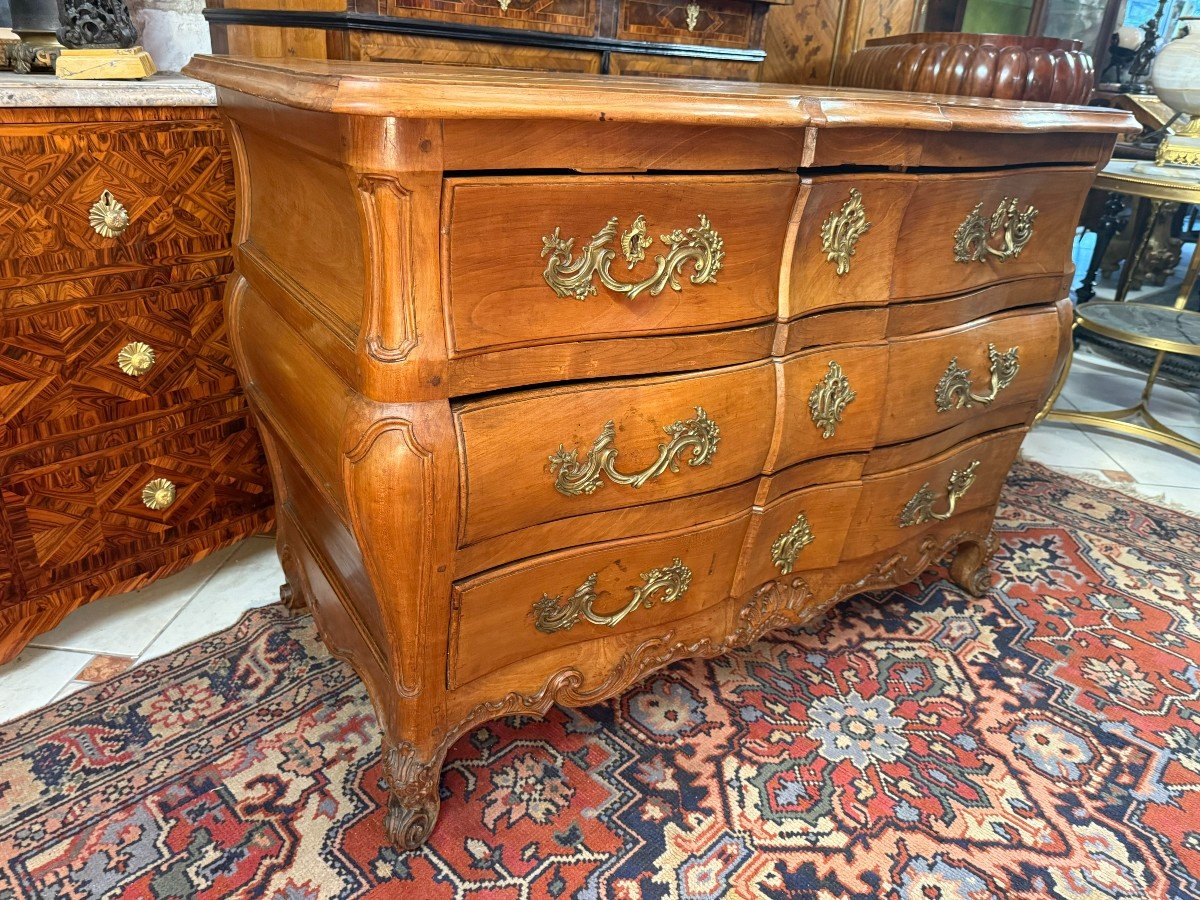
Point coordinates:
pixel 917 743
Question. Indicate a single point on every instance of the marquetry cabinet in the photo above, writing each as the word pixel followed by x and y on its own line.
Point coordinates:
pixel 562 379
pixel 126 448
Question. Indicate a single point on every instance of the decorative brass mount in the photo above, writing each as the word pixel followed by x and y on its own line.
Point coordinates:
pixel 107 216
pixel 841 231
pixel 159 493
pixel 693 15
pixel 136 358
pixel 555 614
pixel 919 509
pixel 789 544
pixel 571 277
pixel 829 400
pixel 1013 227
pixel 573 477
pixel 954 388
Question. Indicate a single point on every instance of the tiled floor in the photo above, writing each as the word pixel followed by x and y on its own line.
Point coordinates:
pixel 104 638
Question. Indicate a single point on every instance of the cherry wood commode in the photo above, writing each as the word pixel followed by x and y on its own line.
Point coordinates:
pixel 562 378
pixel 126 448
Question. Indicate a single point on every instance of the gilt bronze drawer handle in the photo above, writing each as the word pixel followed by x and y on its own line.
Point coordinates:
pixel 107 216
pixel 573 477
pixel 954 388
pixel 556 614
pixel 829 400
pixel 135 358
pixel 693 15
pixel 1013 228
pixel 158 494
pixel 789 544
pixel 919 509
pixel 841 231
pixel 571 277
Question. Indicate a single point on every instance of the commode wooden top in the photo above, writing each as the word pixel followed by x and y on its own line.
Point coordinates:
pixel 455 92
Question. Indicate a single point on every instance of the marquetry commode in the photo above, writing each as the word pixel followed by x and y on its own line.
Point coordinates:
pixel 563 378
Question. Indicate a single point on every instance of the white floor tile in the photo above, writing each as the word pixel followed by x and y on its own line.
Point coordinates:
pixel 1187 497
pixel 127 623
pixel 251 578
pixel 72 687
pixel 1057 443
pixel 1150 463
pixel 35 678
pixel 1094 385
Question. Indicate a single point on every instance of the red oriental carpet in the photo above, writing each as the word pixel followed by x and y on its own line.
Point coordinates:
pixel 918 743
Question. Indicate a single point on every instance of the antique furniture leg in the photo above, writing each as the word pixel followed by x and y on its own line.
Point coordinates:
pixel 1110 224
pixel 1138 250
pixel 969 569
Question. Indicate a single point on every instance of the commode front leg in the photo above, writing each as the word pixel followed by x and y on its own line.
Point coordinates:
pixel 413 800
pixel 969 568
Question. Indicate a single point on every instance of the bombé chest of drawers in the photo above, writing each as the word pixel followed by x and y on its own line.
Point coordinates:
pixel 564 378
pixel 126 448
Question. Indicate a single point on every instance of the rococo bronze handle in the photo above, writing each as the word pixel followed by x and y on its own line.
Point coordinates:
pixel 841 230
pixel 556 614
pixel 954 388
pixel 1013 227
pixel 573 477
pixel 919 509
pixel 571 277
pixel 789 544
pixel 829 399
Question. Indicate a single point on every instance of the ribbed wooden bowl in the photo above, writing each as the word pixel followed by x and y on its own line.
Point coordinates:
pixel 1005 66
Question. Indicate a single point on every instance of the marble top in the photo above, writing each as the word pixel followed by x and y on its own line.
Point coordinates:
pixel 1166 325
pixel 166 89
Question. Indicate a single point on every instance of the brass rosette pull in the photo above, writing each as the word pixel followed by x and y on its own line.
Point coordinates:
pixel 553 614
pixel 159 493
pixel 953 389
pixel 789 544
pixel 107 216
pixel 571 276
pixel 136 358
pixel 919 509
pixel 573 476
pixel 1009 226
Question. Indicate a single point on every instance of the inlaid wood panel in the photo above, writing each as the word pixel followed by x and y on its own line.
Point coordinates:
pixel 562 16
pixel 726 23
pixel 74 522
pixel 681 67
pixel 175 182
pixel 59 369
pixel 379 46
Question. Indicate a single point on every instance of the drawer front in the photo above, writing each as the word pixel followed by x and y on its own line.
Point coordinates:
pixel 548 455
pixel 579 596
pixel 801 531
pixel 682 67
pixel 95 364
pixel 873 239
pixel 562 16
pixel 940 380
pixel 895 507
pixel 77 520
pixel 545 260
pixel 727 24
pixel 112 197
pixel 830 403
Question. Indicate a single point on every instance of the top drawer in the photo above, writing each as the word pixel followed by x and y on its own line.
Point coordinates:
pixel 550 259
pixel 109 197
pixel 714 24
pixel 867 239
pixel 562 16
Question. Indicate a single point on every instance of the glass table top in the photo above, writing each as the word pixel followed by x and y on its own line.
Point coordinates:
pixel 1159 327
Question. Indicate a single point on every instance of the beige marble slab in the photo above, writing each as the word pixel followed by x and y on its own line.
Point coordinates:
pixel 158 90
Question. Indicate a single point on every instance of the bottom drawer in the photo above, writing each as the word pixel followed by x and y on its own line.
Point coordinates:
pixel 579 595
pixel 81 518
pixel 897 506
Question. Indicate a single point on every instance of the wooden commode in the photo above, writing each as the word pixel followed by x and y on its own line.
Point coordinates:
pixel 562 378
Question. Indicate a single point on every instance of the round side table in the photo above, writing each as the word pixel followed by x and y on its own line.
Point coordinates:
pixel 1167 329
